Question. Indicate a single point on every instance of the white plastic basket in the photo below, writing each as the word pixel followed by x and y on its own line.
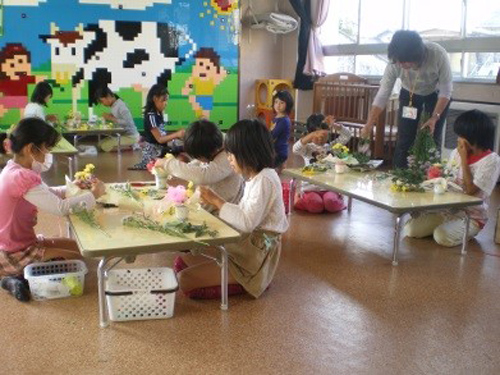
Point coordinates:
pixel 141 294
pixel 58 279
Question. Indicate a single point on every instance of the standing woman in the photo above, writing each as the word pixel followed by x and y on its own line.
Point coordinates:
pixel 426 80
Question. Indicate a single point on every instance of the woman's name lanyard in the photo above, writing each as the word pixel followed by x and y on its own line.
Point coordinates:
pixel 409 111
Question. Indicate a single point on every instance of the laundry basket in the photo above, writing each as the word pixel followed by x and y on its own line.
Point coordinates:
pixel 58 279
pixel 141 294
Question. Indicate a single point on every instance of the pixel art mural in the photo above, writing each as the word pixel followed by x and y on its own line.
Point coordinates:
pixel 126 45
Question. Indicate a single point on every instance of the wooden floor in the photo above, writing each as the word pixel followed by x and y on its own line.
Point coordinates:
pixel 336 306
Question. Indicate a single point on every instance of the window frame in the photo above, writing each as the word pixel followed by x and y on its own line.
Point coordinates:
pixel 463 45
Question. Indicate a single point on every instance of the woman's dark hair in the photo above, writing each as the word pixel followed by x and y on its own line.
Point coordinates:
pixel 477 128
pixel 203 139
pixel 41 91
pixel 286 97
pixel 251 144
pixel 406 46
pixel 155 90
pixel 104 92
pixel 31 130
pixel 316 122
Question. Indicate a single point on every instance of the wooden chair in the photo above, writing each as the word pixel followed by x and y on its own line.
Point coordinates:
pixel 348 98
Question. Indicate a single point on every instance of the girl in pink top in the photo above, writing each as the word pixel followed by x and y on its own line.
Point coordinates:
pixel 22 194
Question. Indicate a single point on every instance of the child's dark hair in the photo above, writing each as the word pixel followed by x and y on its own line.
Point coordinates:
pixel 203 139
pixel 41 91
pixel 286 97
pixel 104 92
pixel 316 122
pixel 30 130
pixel 155 90
pixel 477 128
pixel 406 46
pixel 251 144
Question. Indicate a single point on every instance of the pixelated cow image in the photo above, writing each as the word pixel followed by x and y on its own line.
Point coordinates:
pixel 116 54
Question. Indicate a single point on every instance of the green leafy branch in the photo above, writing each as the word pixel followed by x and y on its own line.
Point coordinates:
pixel 174 229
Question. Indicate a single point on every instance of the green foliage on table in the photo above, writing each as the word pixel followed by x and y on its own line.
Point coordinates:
pixel 174 229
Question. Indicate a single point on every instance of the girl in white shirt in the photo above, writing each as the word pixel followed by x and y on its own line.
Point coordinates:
pixel 476 169
pixel 203 141
pixel 23 193
pixel 39 99
pixel 259 216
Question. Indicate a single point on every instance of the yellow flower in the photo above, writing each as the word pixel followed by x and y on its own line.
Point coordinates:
pixel 190 185
pixel 405 188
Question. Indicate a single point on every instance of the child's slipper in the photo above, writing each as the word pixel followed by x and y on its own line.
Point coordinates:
pixel 137 168
pixel 16 287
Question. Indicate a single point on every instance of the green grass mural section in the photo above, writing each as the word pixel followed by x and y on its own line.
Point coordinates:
pixel 179 111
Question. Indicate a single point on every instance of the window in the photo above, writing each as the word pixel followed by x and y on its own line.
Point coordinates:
pixel 355 39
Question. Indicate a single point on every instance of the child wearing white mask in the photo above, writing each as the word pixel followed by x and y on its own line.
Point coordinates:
pixel 22 194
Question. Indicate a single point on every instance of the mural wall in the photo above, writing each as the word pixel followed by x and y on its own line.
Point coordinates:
pixel 128 45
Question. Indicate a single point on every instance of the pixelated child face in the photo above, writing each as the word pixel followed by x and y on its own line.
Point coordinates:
pixel 204 69
pixel 234 164
pixel 106 101
pixel 17 67
pixel 160 102
pixel 279 106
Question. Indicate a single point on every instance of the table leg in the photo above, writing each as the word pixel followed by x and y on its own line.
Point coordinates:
pixel 75 140
pixel 291 196
pixel 101 277
pixel 224 278
pixel 466 233
pixel 349 204
pixel 397 231
pixel 70 167
pixel 119 136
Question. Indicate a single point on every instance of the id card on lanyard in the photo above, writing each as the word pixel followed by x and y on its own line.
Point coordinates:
pixel 409 111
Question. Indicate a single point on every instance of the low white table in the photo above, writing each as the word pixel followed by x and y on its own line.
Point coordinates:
pixel 355 185
pixel 119 242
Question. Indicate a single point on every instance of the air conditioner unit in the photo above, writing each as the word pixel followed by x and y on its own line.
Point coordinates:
pixel 449 141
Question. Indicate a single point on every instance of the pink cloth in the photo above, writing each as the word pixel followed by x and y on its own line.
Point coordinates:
pixel 17 216
pixel 317 202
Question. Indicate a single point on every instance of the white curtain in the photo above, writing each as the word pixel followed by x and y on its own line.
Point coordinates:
pixel 314 65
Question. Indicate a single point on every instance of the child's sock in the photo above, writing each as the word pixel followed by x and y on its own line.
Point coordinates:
pixel 213 292
pixel 17 287
pixel 179 264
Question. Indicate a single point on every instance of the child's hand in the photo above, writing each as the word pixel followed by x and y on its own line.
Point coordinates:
pixel 330 121
pixel 463 148
pixel 319 137
pixel 160 163
pixel 208 196
pixel 179 134
pixel 98 188
pixel 108 116
pixel 52 118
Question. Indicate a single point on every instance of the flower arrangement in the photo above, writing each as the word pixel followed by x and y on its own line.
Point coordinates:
pixel 179 194
pixel 340 151
pixel 85 178
pixel 423 163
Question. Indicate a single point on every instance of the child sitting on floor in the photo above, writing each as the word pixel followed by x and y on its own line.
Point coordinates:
pixel 312 147
pixel 476 169
pixel 259 216
pixel 22 194
pixel 203 141
pixel 120 115
pixel 40 98
pixel 155 137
